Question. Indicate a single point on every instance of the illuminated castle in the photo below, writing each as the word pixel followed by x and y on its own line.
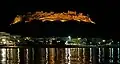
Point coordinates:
pixel 52 16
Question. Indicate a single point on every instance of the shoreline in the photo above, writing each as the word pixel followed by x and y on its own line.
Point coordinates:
pixel 59 46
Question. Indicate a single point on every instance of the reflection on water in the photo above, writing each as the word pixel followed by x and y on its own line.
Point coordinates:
pixel 59 55
pixel 9 56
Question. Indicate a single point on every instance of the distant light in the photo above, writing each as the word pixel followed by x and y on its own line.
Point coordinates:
pixel 90 42
pixel 63 20
pixel 78 20
pixel 3 40
pixel 53 38
pixel 66 42
pixel 118 42
pixel 69 37
pixel 99 42
pixel 26 21
pixel 14 36
pixel 79 38
pixel 18 40
pixel 92 22
pixel 103 40
pixel 10 41
pixel 51 20
pixel 27 38
pixel 58 41
pixel 50 42
pixel 43 20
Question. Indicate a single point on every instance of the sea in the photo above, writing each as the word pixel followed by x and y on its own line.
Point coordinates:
pixel 60 55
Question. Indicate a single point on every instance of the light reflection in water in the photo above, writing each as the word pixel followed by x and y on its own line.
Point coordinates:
pixel 67 53
pixel 3 54
pixel 27 56
pixel 118 52
pixel 90 54
pixel 103 55
pixel 118 55
pixel 33 53
pixel 53 55
pixel 18 55
pixel 46 55
pixel 83 55
pixel 112 53
pixel 99 54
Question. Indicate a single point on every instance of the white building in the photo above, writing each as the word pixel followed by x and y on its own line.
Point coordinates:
pixel 5 39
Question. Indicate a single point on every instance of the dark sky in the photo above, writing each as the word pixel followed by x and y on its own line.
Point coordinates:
pixel 104 13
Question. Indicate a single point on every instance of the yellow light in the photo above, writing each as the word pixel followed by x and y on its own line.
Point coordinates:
pixel 43 20
pixel 3 40
pixel 63 20
pixel 78 20
pixel 17 19
pixel 79 38
pixel 51 20
pixel 92 22
pixel 52 16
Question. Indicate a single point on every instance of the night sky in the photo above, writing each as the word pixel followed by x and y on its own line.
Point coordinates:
pixel 104 13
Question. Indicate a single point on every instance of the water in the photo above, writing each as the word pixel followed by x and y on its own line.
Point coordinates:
pixel 59 55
